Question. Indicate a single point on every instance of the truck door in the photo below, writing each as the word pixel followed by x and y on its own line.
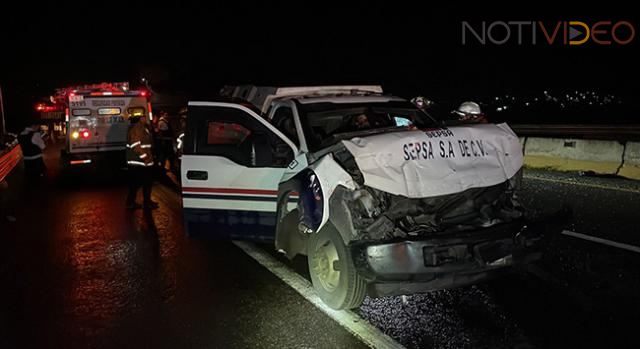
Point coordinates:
pixel 232 163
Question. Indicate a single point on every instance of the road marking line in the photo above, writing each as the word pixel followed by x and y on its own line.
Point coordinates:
pixel 602 241
pixel 598 186
pixel 349 320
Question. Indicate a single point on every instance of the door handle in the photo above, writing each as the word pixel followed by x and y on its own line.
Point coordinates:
pixel 198 175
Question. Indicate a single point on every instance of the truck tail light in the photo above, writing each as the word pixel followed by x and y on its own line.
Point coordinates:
pixel 84 134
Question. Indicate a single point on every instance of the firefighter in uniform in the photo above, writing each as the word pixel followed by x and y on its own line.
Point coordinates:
pixel 182 126
pixel 32 146
pixel 165 140
pixel 179 140
pixel 140 163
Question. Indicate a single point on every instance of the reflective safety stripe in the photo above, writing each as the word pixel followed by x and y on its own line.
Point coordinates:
pixel 32 157
pixel 145 146
pixel 133 145
pixel 179 146
pixel 137 163
pixel 143 156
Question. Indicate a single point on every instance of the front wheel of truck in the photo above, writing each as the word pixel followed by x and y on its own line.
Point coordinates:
pixel 333 274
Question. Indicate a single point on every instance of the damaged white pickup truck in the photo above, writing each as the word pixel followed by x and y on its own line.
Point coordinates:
pixel 382 197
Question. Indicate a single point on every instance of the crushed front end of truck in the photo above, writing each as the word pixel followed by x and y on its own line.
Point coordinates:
pixel 403 245
pixel 409 239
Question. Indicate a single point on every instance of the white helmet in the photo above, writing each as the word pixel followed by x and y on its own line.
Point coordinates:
pixel 469 109
pixel 421 102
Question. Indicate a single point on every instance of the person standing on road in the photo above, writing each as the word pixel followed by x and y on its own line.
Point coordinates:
pixel 165 139
pixel 140 163
pixel 32 146
pixel 179 139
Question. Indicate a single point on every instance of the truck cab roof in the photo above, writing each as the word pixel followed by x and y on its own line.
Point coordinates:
pixel 347 99
pixel 263 96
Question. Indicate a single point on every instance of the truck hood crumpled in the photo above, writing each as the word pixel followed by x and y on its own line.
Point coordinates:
pixel 426 163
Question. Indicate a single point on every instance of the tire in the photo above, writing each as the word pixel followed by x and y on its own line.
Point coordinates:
pixel 339 289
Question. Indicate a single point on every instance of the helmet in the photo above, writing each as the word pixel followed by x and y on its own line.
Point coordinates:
pixel 421 102
pixel 469 109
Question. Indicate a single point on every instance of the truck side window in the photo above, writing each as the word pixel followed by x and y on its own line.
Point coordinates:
pixel 237 136
pixel 283 121
pixel 226 133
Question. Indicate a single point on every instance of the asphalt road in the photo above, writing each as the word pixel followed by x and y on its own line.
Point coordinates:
pixel 79 271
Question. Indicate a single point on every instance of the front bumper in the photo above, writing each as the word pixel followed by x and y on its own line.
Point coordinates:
pixel 451 260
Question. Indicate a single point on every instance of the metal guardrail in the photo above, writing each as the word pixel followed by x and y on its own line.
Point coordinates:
pixel 8 161
pixel 604 132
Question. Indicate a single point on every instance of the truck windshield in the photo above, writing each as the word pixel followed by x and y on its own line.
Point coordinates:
pixel 327 123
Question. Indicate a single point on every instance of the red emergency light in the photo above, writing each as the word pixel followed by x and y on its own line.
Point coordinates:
pixel 43 107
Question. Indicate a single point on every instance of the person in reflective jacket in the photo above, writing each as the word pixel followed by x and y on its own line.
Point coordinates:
pixel 140 163
pixel 164 142
pixel 32 146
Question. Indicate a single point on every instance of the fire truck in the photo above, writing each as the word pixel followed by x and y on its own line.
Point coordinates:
pixel 97 121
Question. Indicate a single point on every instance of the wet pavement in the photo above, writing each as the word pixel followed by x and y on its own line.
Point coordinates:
pixel 79 271
pixel 604 207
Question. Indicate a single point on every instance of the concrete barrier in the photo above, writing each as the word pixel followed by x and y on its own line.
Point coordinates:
pixel 631 165
pixel 604 157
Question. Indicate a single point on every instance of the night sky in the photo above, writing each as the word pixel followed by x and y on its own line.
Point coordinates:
pixel 411 50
